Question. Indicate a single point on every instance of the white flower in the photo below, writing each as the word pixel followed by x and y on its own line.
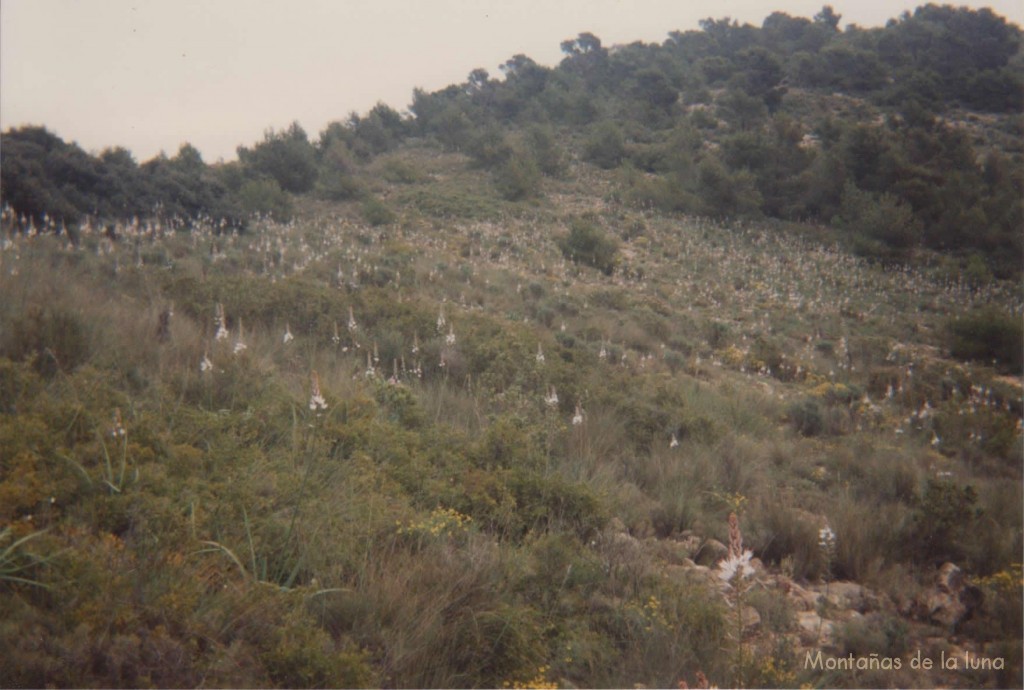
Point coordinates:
pixel 674 443
pixel 316 400
pixel 826 538
pixel 736 565
pixel 240 343
pixel 577 417
pixel 222 331
pixel 450 338
pixel 540 354
pixel 551 400
pixel 351 320
pixel 206 364
pixel 288 337
pixel 118 429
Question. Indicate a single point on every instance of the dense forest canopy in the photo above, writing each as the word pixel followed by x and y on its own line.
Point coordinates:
pixel 903 137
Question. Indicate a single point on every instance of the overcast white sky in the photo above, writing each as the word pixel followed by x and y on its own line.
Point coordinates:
pixel 151 74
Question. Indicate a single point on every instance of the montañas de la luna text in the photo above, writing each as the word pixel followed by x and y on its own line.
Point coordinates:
pixel 876 662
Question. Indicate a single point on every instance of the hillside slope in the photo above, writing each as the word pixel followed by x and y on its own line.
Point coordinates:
pixel 694 364
pixel 437 452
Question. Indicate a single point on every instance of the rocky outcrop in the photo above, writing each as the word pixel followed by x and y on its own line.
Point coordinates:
pixel 951 601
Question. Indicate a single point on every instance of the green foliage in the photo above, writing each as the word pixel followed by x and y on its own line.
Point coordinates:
pixel 285 156
pixel 875 634
pixel 722 193
pixel 806 417
pixel 489 149
pixel 337 179
pixel 55 184
pixel 781 533
pixel 587 243
pixel 518 178
pixel 54 339
pixel 375 212
pixel 379 131
pixel 988 335
pixel 17 563
pixel 944 515
pixel 520 505
pixel 880 226
pixel 263 197
pixel 546 151
pixel 605 147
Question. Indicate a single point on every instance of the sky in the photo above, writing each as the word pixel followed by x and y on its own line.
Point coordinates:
pixel 150 75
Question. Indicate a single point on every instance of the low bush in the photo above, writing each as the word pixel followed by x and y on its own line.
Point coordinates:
pixel 988 335
pixel 587 243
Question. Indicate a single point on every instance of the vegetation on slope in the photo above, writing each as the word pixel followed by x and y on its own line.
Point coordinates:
pixel 903 137
pixel 433 428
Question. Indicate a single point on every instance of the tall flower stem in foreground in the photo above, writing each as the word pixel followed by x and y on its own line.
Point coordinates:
pixel 735 571
pixel 827 544
pixel 317 405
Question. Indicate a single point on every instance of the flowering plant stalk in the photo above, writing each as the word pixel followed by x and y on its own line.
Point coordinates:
pixel 736 572
pixel 827 544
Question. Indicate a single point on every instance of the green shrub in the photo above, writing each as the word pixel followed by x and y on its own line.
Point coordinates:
pixel 942 520
pixel 375 212
pixel 587 243
pixel 877 633
pixel 398 171
pixel 988 335
pixel 337 180
pixel 880 226
pixel 548 154
pixel 806 417
pixel 53 338
pixel 556 504
pixel 517 178
pixel 605 147
pixel 264 197
pixel 301 655
pixel 489 148
pixel 779 532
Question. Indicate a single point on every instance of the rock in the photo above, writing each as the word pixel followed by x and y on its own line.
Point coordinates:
pixel 668 550
pixel 690 544
pixel 711 552
pixel 701 570
pixel 950 578
pixel 687 572
pixel 750 619
pixel 802 599
pixel 944 609
pixel 677 573
pixel 815 630
pixel 844 595
pixel 860 598
pixel 950 602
